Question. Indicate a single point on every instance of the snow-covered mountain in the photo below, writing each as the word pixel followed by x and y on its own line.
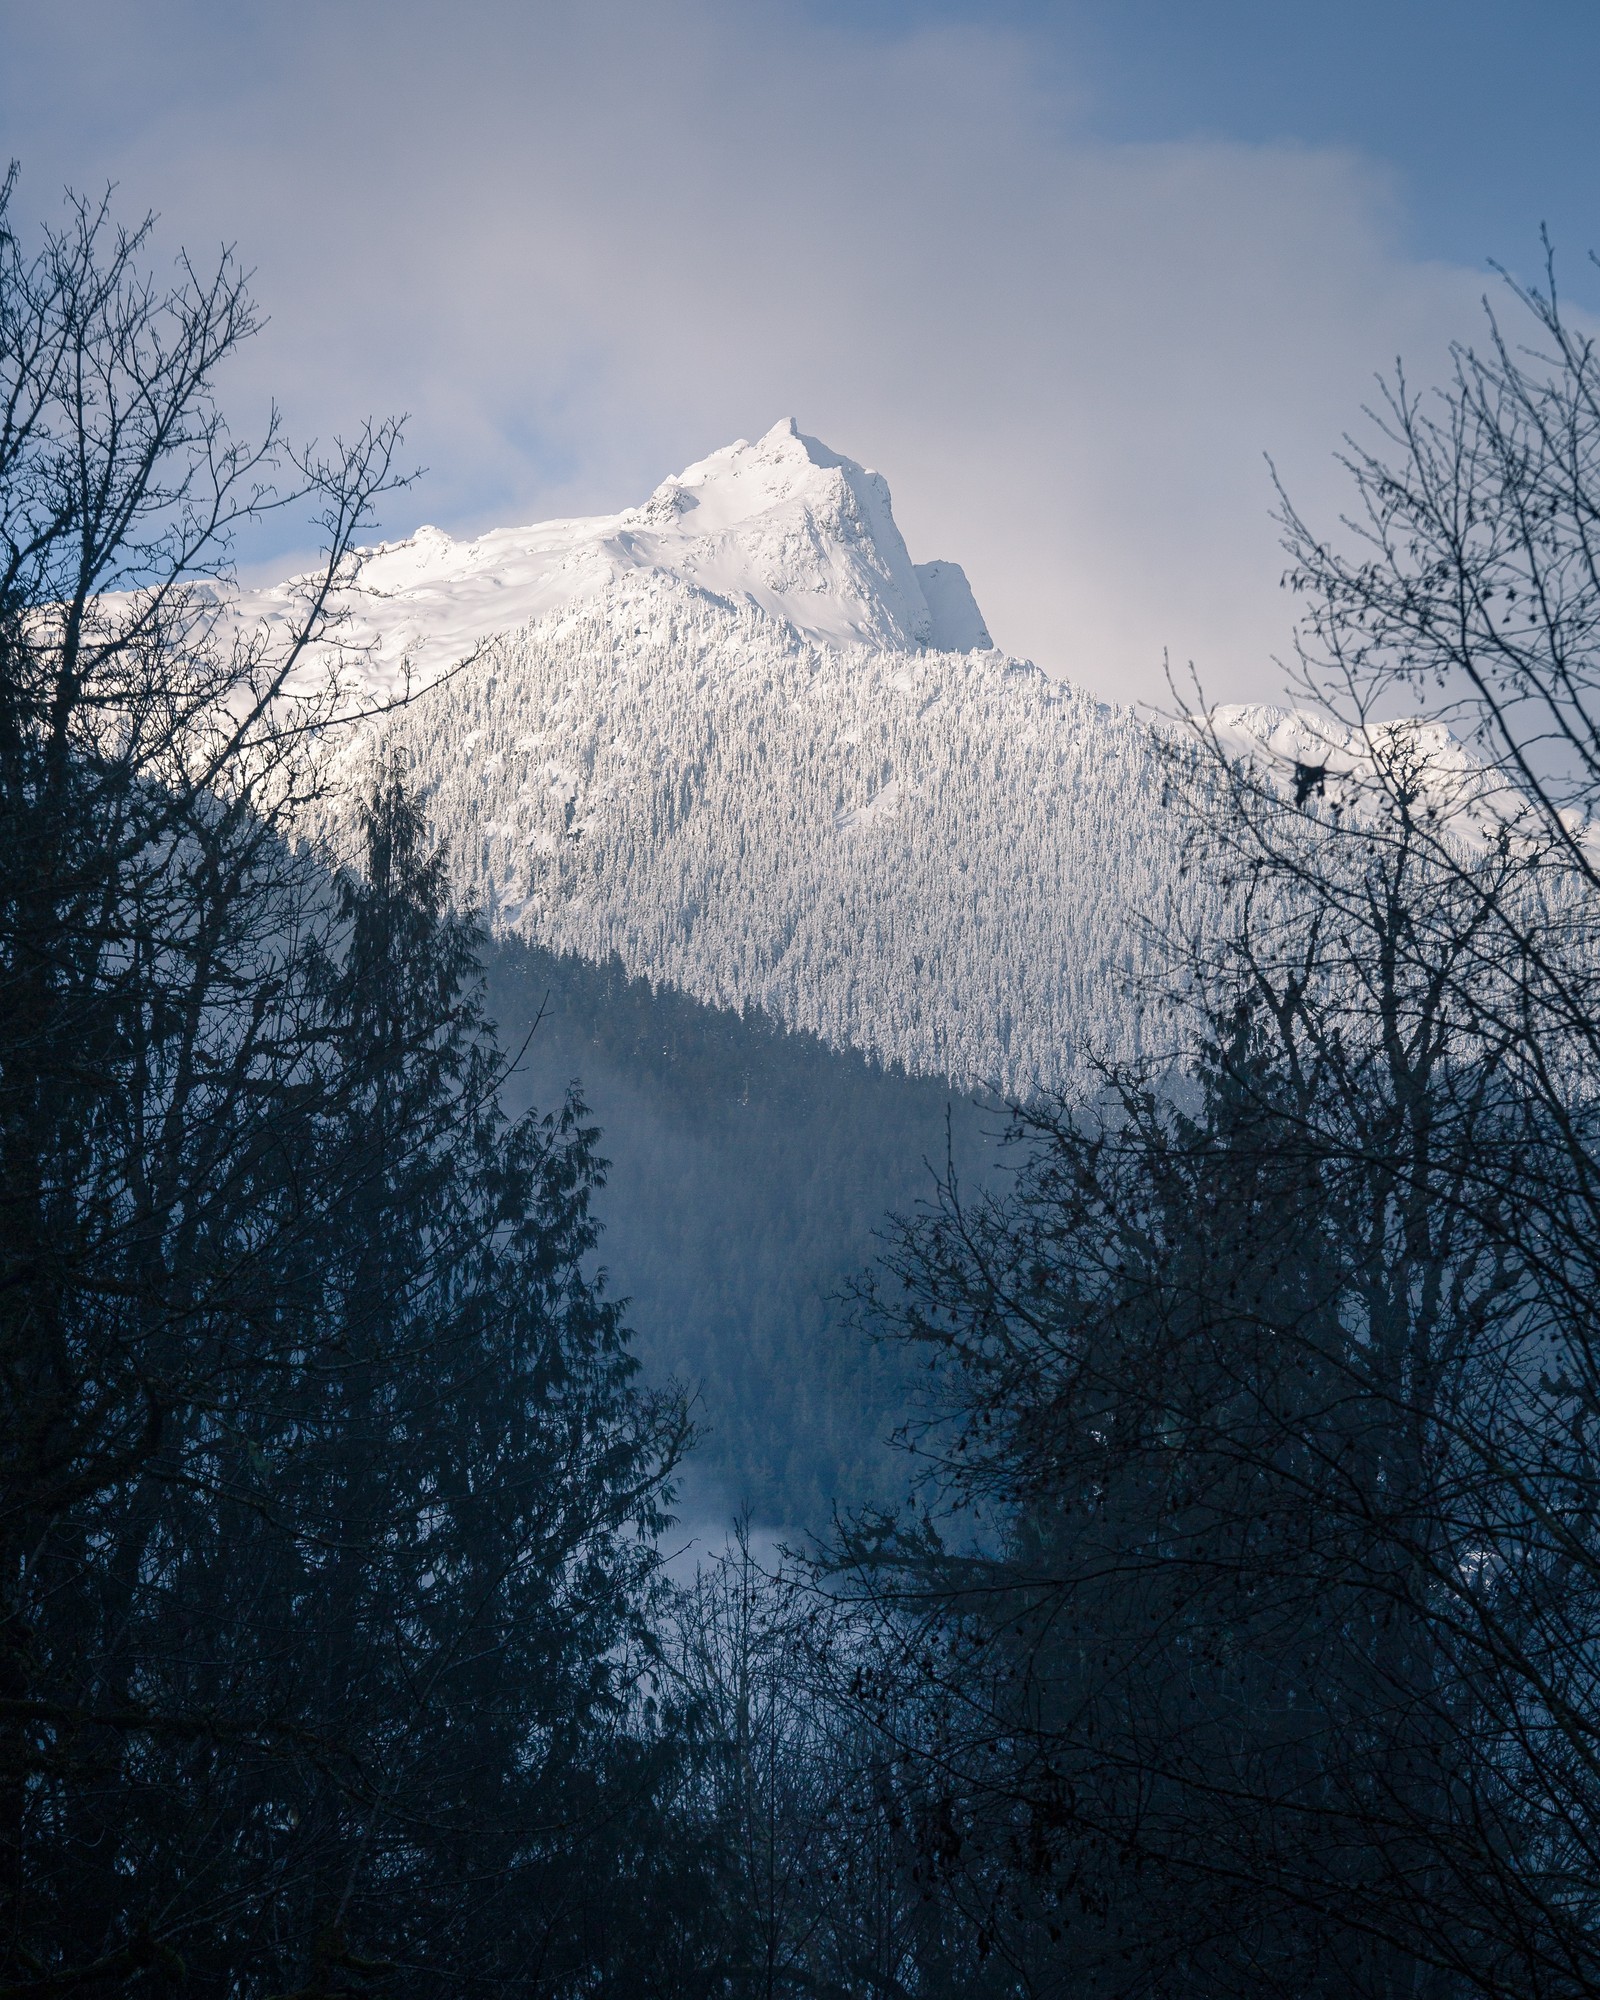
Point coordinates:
pixel 738 738
pixel 783 524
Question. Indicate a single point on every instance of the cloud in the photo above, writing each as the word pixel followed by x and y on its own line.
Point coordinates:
pixel 584 244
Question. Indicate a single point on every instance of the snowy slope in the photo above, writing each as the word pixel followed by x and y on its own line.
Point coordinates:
pixel 783 524
pixel 1358 770
pixel 738 738
pixel 934 857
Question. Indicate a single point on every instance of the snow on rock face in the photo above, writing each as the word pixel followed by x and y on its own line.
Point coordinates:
pixel 804 534
pixel 807 535
pixel 958 625
pixel 737 738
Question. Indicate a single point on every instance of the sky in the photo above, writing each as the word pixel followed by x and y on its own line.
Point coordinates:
pixel 1068 272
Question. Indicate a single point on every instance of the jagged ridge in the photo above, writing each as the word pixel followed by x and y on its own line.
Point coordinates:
pixel 784 524
pixel 737 739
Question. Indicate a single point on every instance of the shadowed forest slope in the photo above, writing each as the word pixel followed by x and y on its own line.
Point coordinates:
pixel 749 1170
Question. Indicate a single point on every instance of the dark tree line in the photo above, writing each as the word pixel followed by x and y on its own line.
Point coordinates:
pixel 1257 1602
pixel 327 1494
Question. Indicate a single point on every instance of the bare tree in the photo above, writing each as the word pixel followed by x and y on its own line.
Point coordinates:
pixel 1267 1596
pixel 833 1840
pixel 328 1500
pixel 1466 585
pixel 160 939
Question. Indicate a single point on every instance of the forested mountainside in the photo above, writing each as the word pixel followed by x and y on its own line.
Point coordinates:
pixel 749 1169
pixel 939 859
pixel 792 859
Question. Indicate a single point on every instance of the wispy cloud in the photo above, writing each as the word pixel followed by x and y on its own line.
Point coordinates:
pixel 583 244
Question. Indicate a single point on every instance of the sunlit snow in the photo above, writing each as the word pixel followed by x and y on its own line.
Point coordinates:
pixel 738 739
pixel 785 524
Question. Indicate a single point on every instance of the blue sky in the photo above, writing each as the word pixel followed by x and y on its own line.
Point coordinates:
pixel 1064 273
pixel 1483 110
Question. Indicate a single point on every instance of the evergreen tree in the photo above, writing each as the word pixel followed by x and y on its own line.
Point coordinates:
pixel 479 1486
pixel 161 1050
pixel 327 1499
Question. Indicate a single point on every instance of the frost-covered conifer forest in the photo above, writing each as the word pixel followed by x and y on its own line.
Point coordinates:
pixel 929 857
pixel 738 760
pixel 705 1292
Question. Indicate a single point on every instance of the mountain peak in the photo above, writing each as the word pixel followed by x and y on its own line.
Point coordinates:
pixel 744 479
pixel 810 536
pixel 785 523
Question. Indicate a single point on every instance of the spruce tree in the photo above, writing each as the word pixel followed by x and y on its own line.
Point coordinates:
pixel 432 1557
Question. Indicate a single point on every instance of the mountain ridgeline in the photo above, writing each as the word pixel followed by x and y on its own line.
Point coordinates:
pixel 935 858
pixel 750 759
